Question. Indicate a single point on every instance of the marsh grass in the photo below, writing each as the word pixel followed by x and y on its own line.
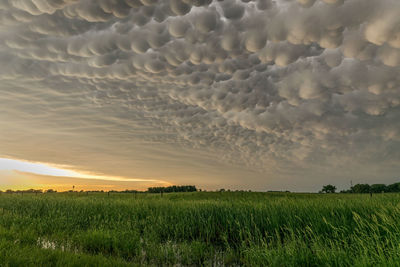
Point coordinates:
pixel 201 228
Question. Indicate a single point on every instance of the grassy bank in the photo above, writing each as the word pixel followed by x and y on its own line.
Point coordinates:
pixel 202 228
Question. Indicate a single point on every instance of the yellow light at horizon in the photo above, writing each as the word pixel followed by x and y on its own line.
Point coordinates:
pixel 19 174
pixel 7 164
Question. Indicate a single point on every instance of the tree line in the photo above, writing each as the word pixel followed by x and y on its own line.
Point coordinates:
pixel 36 191
pixel 169 189
pixel 174 188
pixel 364 188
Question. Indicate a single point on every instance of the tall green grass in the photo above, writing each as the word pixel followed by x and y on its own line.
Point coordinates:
pixel 202 228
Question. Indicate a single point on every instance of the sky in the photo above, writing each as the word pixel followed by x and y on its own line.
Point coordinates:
pixel 260 95
pixel 20 175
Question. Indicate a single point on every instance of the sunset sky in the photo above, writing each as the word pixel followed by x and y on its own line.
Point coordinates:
pixel 260 95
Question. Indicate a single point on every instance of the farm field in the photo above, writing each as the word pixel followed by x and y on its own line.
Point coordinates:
pixel 200 228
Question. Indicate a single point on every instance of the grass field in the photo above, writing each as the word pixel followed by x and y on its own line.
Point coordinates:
pixel 202 228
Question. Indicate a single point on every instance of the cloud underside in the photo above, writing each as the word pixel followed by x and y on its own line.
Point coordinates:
pixel 308 90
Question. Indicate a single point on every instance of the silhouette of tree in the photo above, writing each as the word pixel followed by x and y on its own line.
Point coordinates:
pixel 174 188
pixel 51 191
pixel 378 188
pixel 328 189
pixel 361 188
pixel 393 187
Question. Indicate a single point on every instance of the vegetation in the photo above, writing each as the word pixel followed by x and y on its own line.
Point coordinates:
pixel 29 191
pixel 169 189
pixel 328 189
pixel 365 188
pixel 199 228
pixel 174 188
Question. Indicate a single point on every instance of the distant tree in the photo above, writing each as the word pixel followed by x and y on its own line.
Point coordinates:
pixel 378 188
pixel 393 187
pixel 346 191
pixel 328 189
pixel 51 191
pixel 130 191
pixel 361 188
pixel 174 188
pixel 9 191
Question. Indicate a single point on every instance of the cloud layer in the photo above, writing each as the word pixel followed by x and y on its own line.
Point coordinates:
pixel 268 93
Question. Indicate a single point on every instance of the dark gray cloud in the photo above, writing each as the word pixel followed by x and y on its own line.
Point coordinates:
pixel 267 93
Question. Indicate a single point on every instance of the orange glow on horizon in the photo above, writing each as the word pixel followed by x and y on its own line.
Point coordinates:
pixel 16 180
pixel 23 175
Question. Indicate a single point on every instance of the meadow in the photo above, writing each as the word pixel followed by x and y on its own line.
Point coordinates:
pixel 199 229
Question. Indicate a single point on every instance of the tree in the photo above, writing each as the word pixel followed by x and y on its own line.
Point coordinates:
pixel 174 188
pixel 361 188
pixel 346 191
pixel 393 187
pixel 328 189
pixel 51 191
pixel 378 188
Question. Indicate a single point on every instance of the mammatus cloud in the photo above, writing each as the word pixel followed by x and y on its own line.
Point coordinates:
pixel 288 92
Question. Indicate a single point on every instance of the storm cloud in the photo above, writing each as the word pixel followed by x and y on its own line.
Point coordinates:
pixel 248 94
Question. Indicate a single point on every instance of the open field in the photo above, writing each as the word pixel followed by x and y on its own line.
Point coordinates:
pixel 202 228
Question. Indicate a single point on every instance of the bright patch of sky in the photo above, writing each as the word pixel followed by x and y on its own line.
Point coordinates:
pixel 32 167
pixel 45 169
